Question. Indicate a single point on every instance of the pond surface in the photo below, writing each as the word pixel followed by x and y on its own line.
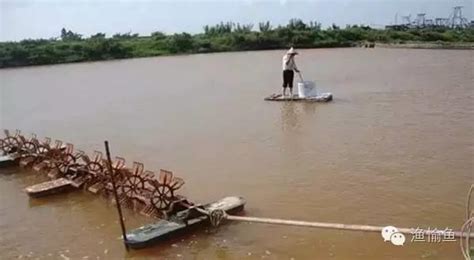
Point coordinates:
pixel 395 147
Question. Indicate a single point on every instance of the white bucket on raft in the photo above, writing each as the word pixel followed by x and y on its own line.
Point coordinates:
pixel 307 89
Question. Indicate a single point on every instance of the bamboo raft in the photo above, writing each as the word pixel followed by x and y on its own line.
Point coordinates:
pixel 324 97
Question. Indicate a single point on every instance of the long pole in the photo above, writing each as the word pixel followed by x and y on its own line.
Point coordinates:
pixel 337 225
pixel 217 216
pixel 119 209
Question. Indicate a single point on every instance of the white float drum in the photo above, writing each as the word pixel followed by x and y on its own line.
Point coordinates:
pixel 307 89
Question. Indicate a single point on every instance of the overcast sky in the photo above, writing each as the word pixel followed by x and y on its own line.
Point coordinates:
pixel 21 19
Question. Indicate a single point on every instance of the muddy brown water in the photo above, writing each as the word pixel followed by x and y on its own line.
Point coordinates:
pixel 395 147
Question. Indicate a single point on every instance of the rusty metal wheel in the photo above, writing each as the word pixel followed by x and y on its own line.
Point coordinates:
pixel 10 145
pixel 94 167
pixel 43 149
pixel 29 147
pixel 64 163
pixel 133 186
pixel 162 197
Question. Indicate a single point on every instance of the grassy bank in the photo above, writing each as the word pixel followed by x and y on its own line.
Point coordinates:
pixel 72 47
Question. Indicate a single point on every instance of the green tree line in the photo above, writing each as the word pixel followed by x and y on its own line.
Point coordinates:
pixel 73 47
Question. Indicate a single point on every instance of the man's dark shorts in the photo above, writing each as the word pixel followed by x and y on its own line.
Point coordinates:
pixel 288 76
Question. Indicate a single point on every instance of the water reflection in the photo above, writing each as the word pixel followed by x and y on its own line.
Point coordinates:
pixel 309 108
pixel 289 116
pixel 294 114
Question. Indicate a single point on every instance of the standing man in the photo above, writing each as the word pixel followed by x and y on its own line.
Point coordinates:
pixel 289 66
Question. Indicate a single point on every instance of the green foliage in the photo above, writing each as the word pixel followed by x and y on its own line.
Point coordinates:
pixel 264 27
pixel 296 24
pixel 125 36
pixel 158 35
pixel 72 47
pixel 244 28
pixel 218 29
pixel 180 43
pixel 315 26
pixel 104 49
pixel 98 36
pixel 69 35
